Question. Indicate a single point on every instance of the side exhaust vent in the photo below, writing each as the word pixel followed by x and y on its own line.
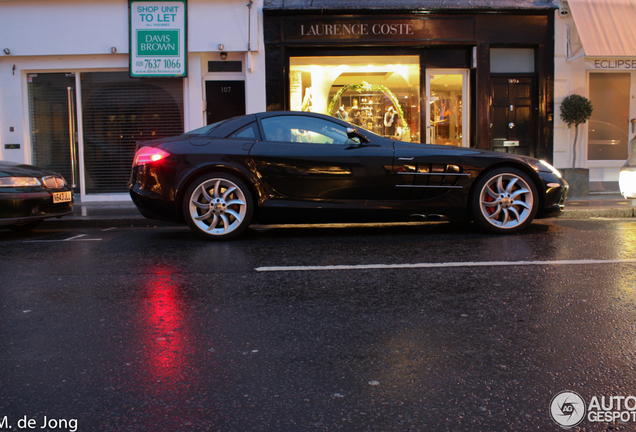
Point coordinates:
pixel 429 217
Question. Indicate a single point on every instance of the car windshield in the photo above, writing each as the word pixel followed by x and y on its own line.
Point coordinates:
pixel 205 129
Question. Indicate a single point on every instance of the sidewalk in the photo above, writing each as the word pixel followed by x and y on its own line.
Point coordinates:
pixel 124 213
pixel 105 214
pixel 600 206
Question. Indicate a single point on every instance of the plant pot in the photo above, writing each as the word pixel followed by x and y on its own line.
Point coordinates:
pixel 579 181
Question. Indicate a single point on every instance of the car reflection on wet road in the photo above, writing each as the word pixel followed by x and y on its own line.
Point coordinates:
pixel 151 329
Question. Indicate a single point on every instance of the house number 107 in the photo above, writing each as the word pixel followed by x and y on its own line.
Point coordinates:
pixel 226 89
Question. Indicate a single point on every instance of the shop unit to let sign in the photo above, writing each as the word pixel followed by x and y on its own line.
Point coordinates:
pixel 158 38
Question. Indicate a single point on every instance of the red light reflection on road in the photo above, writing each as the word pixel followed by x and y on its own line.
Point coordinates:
pixel 165 336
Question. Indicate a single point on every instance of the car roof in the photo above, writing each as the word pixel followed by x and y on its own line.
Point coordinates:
pixel 268 114
pixel 228 126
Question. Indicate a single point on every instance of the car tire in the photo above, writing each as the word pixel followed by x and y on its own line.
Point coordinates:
pixel 25 227
pixel 504 200
pixel 218 206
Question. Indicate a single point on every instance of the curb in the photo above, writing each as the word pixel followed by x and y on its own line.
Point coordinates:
pixel 138 221
pixel 591 213
pixel 105 222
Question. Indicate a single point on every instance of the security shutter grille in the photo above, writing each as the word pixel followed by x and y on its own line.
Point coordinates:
pixel 119 111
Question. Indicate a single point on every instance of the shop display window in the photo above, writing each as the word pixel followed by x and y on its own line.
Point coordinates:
pixel 116 113
pixel 608 128
pixel 377 93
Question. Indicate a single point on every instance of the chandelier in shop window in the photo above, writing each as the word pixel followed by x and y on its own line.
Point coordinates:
pixel 365 87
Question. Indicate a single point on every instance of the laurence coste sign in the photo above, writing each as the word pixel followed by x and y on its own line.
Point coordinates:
pixel 158 38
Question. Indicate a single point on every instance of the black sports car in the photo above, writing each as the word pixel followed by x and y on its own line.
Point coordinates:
pixel 29 194
pixel 292 167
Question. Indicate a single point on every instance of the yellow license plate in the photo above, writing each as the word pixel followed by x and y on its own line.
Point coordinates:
pixel 60 197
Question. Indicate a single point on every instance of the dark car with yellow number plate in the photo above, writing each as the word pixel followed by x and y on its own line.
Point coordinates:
pixel 296 167
pixel 30 194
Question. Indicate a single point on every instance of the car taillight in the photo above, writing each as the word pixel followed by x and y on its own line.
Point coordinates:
pixel 149 154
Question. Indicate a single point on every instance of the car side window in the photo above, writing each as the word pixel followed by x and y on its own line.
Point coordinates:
pixel 277 129
pixel 305 130
pixel 249 132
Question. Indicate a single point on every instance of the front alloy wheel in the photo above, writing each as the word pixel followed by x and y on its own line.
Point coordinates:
pixel 218 207
pixel 506 201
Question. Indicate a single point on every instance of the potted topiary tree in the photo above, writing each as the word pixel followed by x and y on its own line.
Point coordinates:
pixel 575 110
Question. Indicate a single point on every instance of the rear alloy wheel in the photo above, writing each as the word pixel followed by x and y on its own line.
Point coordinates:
pixel 504 201
pixel 218 207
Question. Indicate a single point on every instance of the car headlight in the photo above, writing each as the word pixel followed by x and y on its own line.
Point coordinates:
pixel 54 182
pixel 627 183
pixel 19 181
pixel 546 167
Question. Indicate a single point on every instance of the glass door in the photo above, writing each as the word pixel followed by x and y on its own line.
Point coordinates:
pixel 53 124
pixel 446 99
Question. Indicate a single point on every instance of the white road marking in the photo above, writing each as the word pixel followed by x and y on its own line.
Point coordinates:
pixel 76 238
pixel 442 265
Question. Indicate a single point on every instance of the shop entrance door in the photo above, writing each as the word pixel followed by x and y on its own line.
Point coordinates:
pixel 446 96
pixel 513 115
pixel 225 99
pixel 53 124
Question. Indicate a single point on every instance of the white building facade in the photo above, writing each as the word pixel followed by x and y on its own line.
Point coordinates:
pixel 68 101
pixel 595 57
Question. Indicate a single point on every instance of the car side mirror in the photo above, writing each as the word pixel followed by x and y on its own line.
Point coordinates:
pixel 353 133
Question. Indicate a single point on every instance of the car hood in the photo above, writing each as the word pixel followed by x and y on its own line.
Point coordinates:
pixel 14 169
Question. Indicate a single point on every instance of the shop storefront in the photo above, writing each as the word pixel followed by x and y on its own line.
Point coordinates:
pixel 81 84
pixel 117 112
pixel 466 76
pixel 596 58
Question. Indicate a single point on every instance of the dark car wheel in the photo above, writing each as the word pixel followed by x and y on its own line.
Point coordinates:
pixel 218 206
pixel 25 227
pixel 505 200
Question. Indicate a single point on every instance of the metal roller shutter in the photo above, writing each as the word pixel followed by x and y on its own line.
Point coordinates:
pixel 117 112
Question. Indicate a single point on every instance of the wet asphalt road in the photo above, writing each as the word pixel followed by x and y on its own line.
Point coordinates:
pixel 151 329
